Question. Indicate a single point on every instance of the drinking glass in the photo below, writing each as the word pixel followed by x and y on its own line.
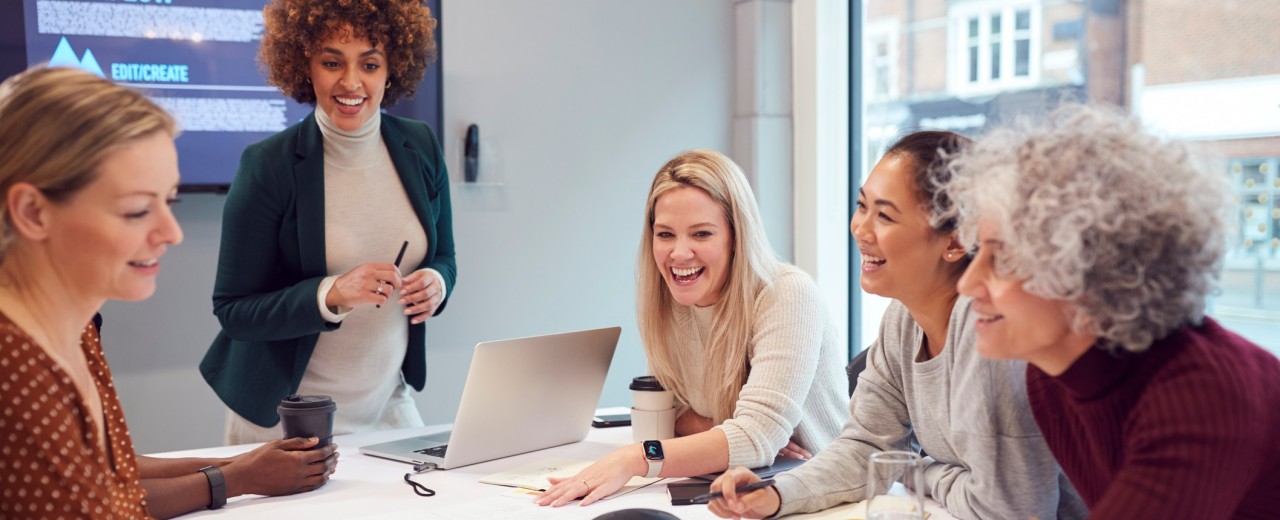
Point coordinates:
pixel 895 488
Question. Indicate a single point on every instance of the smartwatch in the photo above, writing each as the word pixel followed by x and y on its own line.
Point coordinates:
pixel 217 486
pixel 653 455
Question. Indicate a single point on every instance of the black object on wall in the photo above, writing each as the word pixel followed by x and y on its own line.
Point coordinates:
pixel 471 154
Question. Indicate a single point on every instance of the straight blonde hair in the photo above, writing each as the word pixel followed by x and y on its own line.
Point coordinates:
pixel 58 124
pixel 752 267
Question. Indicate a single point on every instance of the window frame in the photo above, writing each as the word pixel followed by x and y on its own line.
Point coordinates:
pixel 961 46
pixel 885 31
pixel 857 26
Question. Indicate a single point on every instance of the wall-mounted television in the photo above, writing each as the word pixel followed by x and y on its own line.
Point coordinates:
pixel 196 58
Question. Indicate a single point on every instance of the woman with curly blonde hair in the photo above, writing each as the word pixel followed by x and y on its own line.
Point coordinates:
pixel 741 339
pixel 307 295
pixel 1097 245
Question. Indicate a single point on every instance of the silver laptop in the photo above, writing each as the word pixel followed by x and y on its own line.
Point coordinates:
pixel 521 395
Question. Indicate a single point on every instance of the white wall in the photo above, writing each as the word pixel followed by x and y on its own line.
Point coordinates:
pixel 578 102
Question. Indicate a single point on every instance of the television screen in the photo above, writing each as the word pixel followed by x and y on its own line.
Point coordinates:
pixel 196 58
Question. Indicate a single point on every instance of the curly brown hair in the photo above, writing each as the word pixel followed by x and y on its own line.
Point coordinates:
pixel 294 30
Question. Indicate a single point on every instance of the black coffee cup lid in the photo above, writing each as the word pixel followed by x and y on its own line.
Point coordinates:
pixel 306 401
pixel 647 383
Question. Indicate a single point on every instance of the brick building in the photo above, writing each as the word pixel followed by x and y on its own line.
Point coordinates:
pixel 1204 71
pixel 964 65
pixel 1210 72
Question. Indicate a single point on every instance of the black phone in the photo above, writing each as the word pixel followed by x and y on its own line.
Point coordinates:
pixel 609 421
pixel 682 492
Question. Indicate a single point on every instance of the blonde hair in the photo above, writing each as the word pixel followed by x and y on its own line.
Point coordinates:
pixel 752 267
pixel 57 124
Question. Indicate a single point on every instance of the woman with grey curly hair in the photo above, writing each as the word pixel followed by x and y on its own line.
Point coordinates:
pixel 1097 244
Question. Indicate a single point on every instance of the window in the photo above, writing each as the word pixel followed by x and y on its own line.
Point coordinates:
pixel 967 65
pixel 1022 43
pixel 880 61
pixel 973 46
pixel 1250 298
pixel 994 47
pixel 881 58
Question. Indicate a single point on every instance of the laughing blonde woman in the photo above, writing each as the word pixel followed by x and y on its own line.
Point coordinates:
pixel 742 339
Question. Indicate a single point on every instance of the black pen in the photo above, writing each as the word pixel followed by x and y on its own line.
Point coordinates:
pixel 399 257
pixel 708 497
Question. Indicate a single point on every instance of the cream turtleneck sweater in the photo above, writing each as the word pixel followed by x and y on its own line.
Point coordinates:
pixel 367 217
pixel 796 386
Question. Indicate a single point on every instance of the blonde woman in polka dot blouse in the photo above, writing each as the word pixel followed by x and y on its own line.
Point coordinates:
pixel 88 170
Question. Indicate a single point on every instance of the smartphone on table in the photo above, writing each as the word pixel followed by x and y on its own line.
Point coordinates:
pixel 609 421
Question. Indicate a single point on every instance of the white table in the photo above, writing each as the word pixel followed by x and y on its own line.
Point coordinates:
pixel 370 487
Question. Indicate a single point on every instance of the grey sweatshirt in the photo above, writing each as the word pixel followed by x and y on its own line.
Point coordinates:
pixel 986 458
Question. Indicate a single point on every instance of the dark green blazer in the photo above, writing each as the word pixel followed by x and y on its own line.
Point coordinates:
pixel 273 258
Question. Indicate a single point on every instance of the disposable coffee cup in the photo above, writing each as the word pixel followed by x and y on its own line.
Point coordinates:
pixel 647 394
pixel 308 416
pixel 653 425
pixel 653 412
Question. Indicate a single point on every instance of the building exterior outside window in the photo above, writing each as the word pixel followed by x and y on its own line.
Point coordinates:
pixel 1194 70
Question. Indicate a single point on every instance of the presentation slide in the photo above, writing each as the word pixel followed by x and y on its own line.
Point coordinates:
pixel 196 58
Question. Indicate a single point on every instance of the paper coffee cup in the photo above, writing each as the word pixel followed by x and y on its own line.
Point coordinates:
pixel 648 394
pixel 653 425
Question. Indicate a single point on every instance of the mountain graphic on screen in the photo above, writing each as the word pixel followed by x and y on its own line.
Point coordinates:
pixel 65 56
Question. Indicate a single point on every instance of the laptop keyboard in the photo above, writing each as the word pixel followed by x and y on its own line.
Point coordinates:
pixel 435 451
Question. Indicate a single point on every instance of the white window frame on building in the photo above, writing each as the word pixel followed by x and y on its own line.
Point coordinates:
pixel 997 36
pixel 881 34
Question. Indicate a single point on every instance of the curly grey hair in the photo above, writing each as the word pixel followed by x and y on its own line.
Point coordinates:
pixel 1128 228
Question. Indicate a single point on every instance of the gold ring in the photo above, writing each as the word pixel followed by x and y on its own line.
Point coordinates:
pixel 588 486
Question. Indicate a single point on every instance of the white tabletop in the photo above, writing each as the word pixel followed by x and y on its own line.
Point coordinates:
pixel 370 487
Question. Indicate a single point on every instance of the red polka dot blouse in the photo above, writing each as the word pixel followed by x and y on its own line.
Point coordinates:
pixel 51 462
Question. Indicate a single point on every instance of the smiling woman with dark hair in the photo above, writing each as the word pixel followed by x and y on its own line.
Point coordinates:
pixel 306 292
pixel 924 388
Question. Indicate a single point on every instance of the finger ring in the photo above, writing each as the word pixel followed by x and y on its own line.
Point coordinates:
pixel 379 291
pixel 588 486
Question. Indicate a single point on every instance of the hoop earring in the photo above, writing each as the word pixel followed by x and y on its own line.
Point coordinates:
pixel 388 84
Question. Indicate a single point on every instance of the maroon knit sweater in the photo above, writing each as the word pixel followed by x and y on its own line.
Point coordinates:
pixel 1188 429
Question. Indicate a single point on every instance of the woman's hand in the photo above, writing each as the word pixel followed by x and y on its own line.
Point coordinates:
pixel 756 504
pixel 367 284
pixel 598 480
pixel 690 423
pixel 422 295
pixel 794 450
pixel 281 467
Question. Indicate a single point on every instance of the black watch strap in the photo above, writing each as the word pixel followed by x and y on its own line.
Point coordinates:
pixel 217 486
